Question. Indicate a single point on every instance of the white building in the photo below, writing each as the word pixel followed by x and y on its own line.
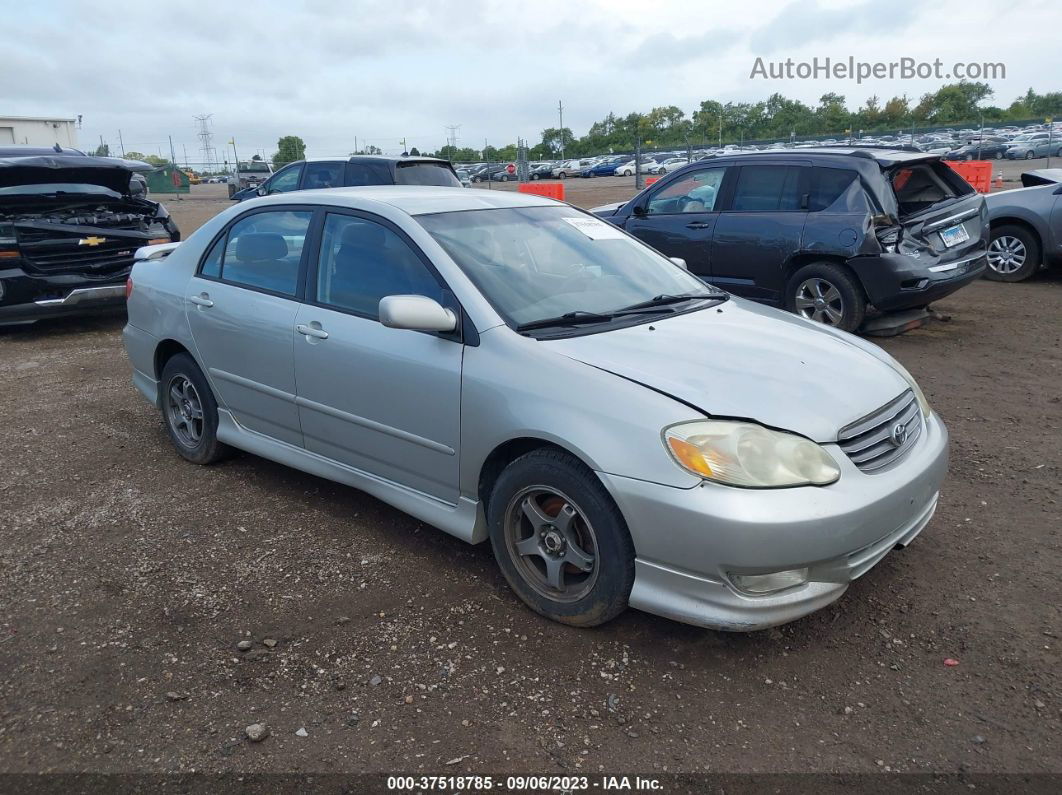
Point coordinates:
pixel 38 131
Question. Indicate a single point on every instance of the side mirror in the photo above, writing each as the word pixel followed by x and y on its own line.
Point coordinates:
pixel 680 262
pixel 261 190
pixel 639 210
pixel 416 313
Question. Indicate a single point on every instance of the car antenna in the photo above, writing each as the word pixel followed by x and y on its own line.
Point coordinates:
pixel 57 148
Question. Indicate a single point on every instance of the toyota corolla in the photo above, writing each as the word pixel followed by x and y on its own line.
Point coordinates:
pixel 509 368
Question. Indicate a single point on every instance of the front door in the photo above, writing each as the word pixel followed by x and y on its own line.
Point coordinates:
pixel 760 230
pixel 679 217
pixel 385 401
pixel 241 307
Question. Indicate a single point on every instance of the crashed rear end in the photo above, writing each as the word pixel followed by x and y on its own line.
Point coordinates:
pixel 929 238
pixel 69 229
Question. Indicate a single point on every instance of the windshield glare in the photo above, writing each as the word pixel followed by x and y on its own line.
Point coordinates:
pixel 534 263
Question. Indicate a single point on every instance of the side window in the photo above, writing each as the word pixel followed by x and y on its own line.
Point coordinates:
pixel 694 193
pixel 363 261
pixel 212 263
pixel 323 175
pixel 767 189
pixel 367 174
pixel 263 250
pixel 285 180
pixel 827 186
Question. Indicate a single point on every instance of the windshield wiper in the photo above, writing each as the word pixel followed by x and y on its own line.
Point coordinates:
pixel 567 319
pixel 666 300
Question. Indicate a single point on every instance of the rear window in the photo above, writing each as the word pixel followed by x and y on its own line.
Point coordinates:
pixel 828 185
pixel 426 173
pixel 920 186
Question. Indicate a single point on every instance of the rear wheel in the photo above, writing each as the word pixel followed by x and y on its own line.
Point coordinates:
pixel 1013 254
pixel 1029 155
pixel 827 294
pixel 560 540
pixel 190 412
pixel 999 155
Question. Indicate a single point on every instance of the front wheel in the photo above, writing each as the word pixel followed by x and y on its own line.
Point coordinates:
pixel 827 294
pixel 190 412
pixel 560 540
pixel 999 155
pixel 1029 155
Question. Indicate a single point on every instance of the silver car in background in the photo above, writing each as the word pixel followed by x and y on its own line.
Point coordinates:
pixel 510 368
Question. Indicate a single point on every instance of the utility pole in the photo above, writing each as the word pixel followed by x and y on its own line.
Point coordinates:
pixel 720 127
pixel 560 113
pixel 451 139
pixel 173 162
pixel 101 143
pixel 355 144
pixel 120 143
pixel 404 149
pixel 486 157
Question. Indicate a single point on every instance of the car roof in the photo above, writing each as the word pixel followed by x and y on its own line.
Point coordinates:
pixel 376 159
pixel 30 151
pixel 884 156
pixel 418 199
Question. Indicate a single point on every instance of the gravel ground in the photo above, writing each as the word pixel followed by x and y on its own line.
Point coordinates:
pixel 129 579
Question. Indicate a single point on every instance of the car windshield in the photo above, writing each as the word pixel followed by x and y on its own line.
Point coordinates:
pixel 535 263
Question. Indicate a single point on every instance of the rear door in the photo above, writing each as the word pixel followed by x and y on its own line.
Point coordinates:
pixel 382 400
pixel 760 229
pixel 241 307
pixel 678 217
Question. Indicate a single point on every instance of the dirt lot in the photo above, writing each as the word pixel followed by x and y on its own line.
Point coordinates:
pixel 127 578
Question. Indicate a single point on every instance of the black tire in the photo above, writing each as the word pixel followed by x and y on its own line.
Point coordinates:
pixel 552 478
pixel 1029 155
pixel 503 178
pixel 201 448
pixel 999 155
pixel 1019 242
pixel 845 312
pixel 534 176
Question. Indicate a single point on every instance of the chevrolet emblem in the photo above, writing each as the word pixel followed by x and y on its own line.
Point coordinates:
pixel 91 241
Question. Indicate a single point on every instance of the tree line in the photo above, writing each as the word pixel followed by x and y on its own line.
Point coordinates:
pixel 776 118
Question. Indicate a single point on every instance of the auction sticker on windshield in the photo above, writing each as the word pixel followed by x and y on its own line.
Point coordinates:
pixel 595 229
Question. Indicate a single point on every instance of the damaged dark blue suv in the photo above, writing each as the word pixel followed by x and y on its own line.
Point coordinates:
pixel 824 232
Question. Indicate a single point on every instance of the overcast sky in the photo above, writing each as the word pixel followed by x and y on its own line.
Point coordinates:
pixel 330 71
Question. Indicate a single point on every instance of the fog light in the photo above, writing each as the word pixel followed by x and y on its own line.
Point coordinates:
pixel 769 583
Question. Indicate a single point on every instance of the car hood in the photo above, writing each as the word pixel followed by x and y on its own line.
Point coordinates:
pixel 745 361
pixel 606 210
pixel 108 172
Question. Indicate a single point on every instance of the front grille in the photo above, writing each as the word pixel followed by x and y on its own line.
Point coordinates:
pixel 62 253
pixel 871 443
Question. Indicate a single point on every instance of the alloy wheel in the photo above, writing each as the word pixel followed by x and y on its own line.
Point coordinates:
pixel 1006 255
pixel 184 410
pixel 551 543
pixel 819 300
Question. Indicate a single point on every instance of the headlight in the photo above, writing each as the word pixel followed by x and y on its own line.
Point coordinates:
pixel 744 454
pixel 919 396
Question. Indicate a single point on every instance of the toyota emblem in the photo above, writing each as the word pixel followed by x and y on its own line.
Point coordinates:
pixel 898 435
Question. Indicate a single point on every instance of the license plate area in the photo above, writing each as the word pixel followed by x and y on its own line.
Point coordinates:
pixel 954 235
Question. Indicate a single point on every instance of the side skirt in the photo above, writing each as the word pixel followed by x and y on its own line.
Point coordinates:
pixel 464 520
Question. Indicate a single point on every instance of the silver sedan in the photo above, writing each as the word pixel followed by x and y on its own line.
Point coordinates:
pixel 510 368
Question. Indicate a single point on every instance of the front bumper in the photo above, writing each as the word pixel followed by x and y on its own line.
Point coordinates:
pixel 689 541
pixel 26 298
pixel 894 282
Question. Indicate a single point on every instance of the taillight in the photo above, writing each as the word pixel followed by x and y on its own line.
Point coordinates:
pixel 128 287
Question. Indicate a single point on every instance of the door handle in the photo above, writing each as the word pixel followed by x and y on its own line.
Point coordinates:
pixel 310 331
pixel 201 300
pixel 698 225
